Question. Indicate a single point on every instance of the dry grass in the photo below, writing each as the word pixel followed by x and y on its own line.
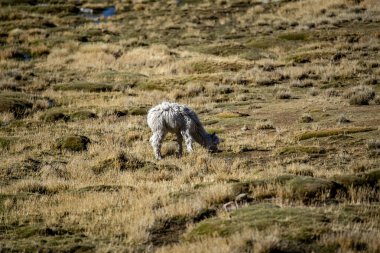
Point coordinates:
pixel 250 73
pixel 283 93
pixel 306 118
pixel 330 132
pixel 263 125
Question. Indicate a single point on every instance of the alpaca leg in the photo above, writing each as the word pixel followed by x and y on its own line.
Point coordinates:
pixel 188 140
pixel 156 142
pixel 179 143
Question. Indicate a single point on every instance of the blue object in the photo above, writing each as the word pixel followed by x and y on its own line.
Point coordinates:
pixel 110 11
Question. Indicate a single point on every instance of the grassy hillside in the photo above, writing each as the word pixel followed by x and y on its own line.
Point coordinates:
pixel 290 87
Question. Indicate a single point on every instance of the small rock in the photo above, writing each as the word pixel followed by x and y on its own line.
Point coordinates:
pixel 294 23
pixel 51 103
pixel 230 206
pixel 343 119
pixel 121 113
pixel 338 56
pixel 244 128
pixel 310 25
pixel 306 118
pixel 242 199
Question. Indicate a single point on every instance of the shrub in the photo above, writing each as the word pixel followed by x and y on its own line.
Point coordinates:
pixel 5 142
pixel 360 95
pixel 132 136
pixel 16 103
pixel 89 87
pixel 332 93
pixel 373 144
pixel 300 150
pixel 309 189
pixel 138 110
pixel 283 93
pixel 306 118
pixel 264 125
pixel 302 84
pixel 38 187
pixel 343 119
pixel 52 116
pixel 82 115
pixel 73 143
pixel 313 92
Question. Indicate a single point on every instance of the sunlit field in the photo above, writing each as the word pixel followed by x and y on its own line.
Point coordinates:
pixel 292 89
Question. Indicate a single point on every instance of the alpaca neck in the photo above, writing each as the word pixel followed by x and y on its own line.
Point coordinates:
pixel 202 137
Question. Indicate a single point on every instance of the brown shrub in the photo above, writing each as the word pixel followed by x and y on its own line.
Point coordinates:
pixel 360 95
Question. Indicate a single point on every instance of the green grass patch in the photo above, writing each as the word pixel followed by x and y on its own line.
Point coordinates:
pixel 228 115
pixel 6 142
pixel 351 181
pixel 294 36
pixel 250 51
pixel 55 115
pixel 73 143
pixel 300 150
pixel 249 186
pixel 40 238
pixel 214 130
pixel 210 122
pixel 263 43
pixel 138 110
pixel 223 50
pixel 203 67
pixel 151 85
pixel 83 115
pixel 299 224
pixel 333 131
pixel 126 75
pixel 305 57
pixel 311 189
pixel 259 47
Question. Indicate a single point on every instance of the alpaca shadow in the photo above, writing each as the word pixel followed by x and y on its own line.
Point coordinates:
pixel 175 154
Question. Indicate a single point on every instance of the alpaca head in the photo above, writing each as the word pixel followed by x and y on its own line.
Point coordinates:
pixel 214 142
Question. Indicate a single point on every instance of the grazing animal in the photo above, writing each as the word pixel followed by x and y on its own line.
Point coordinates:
pixel 183 122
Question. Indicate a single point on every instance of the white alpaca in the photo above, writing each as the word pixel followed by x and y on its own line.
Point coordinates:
pixel 182 121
